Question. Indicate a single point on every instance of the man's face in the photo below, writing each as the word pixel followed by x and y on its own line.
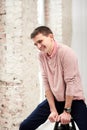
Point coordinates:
pixel 43 43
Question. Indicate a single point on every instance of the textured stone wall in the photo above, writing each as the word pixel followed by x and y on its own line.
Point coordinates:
pixel 58 15
pixel 11 103
pixel 67 21
pixel 19 87
pixel 53 17
pixel 30 61
pixel 2 34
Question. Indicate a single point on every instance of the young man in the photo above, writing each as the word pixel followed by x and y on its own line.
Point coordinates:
pixel 62 83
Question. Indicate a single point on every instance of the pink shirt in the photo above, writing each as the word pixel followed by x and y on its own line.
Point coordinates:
pixel 60 73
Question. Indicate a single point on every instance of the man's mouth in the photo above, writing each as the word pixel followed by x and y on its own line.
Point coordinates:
pixel 42 48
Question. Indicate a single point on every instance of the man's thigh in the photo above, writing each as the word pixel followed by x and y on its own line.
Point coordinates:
pixel 37 117
pixel 79 114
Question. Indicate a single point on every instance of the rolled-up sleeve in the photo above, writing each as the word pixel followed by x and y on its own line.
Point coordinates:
pixel 45 82
pixel 71 73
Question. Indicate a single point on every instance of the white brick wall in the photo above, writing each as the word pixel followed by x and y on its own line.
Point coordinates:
pixel 19 85
pixel 53 17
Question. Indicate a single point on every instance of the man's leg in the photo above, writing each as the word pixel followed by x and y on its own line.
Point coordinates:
pixel 79 114
pixel 37 117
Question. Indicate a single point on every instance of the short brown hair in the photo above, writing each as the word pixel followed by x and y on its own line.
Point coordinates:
pixel 41 29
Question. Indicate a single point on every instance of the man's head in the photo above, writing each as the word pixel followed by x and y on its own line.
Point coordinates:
pixel 43 39
pixel 41 29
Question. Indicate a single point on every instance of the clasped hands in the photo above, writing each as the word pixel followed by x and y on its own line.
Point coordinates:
pixel 64 117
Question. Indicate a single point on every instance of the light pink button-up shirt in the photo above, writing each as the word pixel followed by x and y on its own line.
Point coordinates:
pixel 60 73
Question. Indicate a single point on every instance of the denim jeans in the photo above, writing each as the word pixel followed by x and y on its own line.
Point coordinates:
pixel 41 113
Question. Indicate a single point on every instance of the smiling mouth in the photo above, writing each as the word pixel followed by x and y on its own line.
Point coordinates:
pixel 42 48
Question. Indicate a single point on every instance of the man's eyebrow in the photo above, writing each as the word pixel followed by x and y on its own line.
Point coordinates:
pixel 39 41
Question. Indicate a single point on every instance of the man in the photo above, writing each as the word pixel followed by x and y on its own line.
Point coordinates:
pixel 62 83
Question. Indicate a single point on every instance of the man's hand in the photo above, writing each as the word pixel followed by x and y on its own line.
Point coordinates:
pixel 64 118
pixel 53 117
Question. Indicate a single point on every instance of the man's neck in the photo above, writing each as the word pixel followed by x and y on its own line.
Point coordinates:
pixel 51 48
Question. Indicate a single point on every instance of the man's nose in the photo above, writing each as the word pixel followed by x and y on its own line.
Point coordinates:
pixel 39 45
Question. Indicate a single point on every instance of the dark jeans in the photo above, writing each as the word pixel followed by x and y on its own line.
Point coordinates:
pixel 41 113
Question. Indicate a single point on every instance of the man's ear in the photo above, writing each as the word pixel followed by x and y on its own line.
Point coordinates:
pixel 51 35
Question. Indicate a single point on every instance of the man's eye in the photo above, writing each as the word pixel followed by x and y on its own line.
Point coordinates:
pixel 40 41
pixel 35 44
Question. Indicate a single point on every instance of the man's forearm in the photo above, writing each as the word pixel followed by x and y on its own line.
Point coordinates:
pixel 50 99
pixel 68 101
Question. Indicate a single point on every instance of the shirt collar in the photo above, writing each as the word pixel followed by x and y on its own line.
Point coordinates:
pixel 54 50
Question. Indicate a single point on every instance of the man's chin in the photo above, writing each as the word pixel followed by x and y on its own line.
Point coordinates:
pixel 45 51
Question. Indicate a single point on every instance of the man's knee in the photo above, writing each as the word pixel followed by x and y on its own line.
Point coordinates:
pixel 23 126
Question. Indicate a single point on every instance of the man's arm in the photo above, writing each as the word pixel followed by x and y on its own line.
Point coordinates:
pixel 70 73
pixel 54 114
pixel 68 101
pixel 65 117
pixel 50 99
